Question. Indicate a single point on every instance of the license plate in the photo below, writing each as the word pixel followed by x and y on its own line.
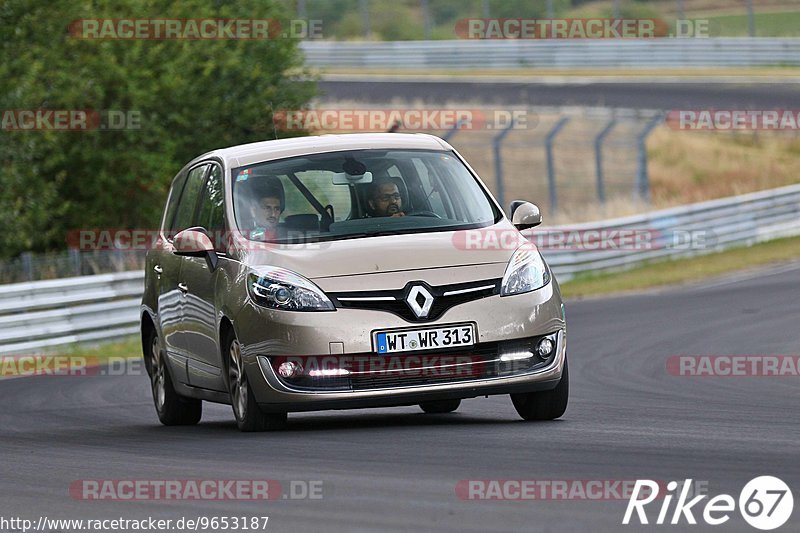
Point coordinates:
pixel 424 339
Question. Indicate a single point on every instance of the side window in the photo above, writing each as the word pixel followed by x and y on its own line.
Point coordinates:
pixel 172 201
pixel 188 202
pixel 430 188
pixel 211 215
pixel 394 172
pixel 212 207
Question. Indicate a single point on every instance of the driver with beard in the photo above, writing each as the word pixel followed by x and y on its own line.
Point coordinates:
pixel 385 200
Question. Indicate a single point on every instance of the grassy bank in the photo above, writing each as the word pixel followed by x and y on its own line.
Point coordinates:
pixel 678 271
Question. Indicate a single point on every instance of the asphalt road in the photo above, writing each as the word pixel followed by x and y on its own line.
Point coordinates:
pixel 677 95
pixel 397 469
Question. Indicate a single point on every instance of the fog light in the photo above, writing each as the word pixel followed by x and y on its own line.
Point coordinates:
pixel 545 348
pixel 289 370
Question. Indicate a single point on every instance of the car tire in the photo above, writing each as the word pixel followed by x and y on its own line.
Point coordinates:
pixel 440 406
pixel 172 408
pixel 249 416
pixel 544 405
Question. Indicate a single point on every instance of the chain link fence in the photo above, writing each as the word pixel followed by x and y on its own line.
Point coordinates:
pixel 32 267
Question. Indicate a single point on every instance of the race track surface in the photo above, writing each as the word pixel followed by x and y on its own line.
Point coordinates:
pixel 664 96
pixel 397 469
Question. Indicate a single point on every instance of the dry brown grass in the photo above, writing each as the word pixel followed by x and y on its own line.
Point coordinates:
pixel 688 167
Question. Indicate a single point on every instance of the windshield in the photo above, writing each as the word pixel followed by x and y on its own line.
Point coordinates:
pixel 359 193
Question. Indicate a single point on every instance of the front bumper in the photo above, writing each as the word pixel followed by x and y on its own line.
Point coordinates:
pixel 265 333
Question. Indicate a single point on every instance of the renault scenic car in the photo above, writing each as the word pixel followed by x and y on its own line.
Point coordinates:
pixel 346 271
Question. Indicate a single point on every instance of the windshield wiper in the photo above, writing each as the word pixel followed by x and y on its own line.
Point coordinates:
pixel 376 233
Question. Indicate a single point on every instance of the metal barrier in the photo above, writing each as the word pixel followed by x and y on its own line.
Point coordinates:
pixel 41 314
pixel 555 53
pixel 694 229
pixel 49 313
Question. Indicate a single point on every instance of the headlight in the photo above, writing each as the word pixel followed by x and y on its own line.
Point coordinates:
pixel 278 288
pixel 525 272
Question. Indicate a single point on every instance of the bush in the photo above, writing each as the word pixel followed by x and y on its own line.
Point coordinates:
pixel 191 96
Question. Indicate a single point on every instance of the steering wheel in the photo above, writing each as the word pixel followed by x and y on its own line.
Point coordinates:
pixel 424 213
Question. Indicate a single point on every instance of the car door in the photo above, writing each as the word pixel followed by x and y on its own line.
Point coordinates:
pixel 172 296
pixel 200 306
pixel 163 268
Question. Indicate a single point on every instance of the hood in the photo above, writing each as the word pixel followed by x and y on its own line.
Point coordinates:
pixel 392 253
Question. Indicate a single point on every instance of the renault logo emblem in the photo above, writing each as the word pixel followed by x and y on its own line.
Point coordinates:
pixel 420 301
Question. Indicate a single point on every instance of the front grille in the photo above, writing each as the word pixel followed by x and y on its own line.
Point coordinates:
pixel 445 297
pixel 368 371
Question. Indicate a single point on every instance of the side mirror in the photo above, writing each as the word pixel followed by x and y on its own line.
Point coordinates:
pixel 525 215
pixel 195 242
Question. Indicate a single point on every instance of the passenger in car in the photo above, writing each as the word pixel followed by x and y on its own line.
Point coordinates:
pixel 268 203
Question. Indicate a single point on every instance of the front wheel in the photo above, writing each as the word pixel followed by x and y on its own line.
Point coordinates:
pixel 248 414
pixel 544 405
pixel 172 409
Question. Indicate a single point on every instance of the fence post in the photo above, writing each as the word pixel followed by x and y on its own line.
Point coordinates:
pixel 498 164
pixel 426 18
pixel 551 170
pixel 751 19
pixel 27 264
pixel 642 178
pixel 453 130
pixel 365 26
pixel 598 159
pixel 75 256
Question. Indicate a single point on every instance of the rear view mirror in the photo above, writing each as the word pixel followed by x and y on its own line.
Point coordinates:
pixel 195 242
pixel 525 215
pixel 343 178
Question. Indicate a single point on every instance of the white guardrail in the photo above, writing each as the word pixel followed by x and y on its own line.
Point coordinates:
pixel 555 53
pixel 41 314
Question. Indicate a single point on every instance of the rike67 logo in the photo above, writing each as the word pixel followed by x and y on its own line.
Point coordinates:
pixel 765 503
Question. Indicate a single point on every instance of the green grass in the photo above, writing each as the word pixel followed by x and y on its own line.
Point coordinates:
pixel 130 347
pixel 785 24
pixel 678 271
pixel 73 359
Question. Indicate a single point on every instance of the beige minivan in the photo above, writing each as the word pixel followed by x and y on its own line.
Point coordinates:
pixel 346 271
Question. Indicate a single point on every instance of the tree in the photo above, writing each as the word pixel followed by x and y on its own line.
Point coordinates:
pixel 190 96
